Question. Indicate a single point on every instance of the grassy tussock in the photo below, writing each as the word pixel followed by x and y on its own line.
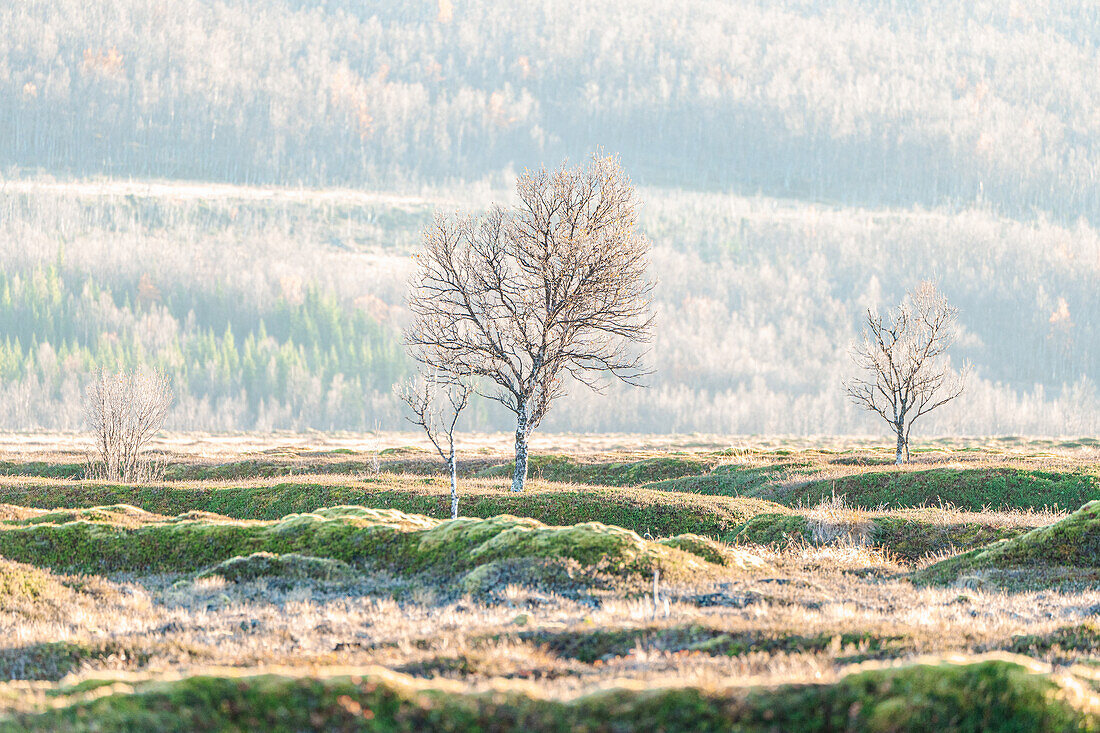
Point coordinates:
pixel 1067 551
pixel 281 569
pixel 833 520
pixel 39 594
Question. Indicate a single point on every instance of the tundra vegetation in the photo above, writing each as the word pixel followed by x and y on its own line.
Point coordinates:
pixel 810 585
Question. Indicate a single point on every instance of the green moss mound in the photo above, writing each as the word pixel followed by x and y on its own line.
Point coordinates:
pixel 1066 551
pixel 1077 639
pixel 907 536
pixel 402 543
pixel 971 489
pixel 982 696
pixel 727 480
pixel 712 551
pixel 280 569
pixel 21 583
pixel 122 514
pixel 657 513
pixel 911 538
pixel 772 529
pixel 37 593
pixel 568 469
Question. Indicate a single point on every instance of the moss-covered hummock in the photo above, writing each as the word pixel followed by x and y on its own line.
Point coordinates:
pixel 729 480
pixel 777 529
pixel 401 543
pixel 567 469
pixel 657 513
pixel 1081 638
pixel 1067 551
pixel 119 514
pixel 34 592
pixel 907 535
pixel 910 537
pixel 997 694
pixel 24 585
pixel 968 489
pixel 52 660
pixel 279 569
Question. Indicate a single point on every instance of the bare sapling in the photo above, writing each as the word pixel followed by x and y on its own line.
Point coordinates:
pixel 124 410
pixel 524 298
pixel 436 406
pixel 905 370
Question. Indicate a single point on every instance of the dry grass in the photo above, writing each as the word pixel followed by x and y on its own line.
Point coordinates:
pixel 851 597
pixel 834 521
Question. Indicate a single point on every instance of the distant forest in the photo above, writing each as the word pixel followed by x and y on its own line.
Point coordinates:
pixel 231 190
pixel 874 102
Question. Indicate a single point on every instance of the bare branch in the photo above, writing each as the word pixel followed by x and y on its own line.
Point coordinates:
pixel 437 418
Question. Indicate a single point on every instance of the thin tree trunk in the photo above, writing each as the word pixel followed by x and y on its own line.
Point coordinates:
pixel 451 464
pixel 519 478
pixel 900 458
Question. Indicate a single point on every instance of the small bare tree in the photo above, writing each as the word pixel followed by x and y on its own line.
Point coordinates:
pixel 124 410
pixel 438 420
pixel 906 371
pixel 525 297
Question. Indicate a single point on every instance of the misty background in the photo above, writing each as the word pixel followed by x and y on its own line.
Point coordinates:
pixel 231 190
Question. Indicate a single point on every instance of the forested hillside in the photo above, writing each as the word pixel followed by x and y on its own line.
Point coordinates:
pixel 231 189
pixel 298 364
pixel 859 101
pixel 282 308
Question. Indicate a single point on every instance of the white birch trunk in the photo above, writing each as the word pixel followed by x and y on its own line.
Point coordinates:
pixel 451 464
pixel 519 477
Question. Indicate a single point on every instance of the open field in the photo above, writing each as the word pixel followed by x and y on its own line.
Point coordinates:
pixel 316 581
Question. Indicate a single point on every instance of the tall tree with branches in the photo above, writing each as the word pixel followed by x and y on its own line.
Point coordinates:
pixel 436 406
pixel 903 358
pixel 524 298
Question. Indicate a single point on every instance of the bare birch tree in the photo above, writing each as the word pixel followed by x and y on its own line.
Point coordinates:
pixel 438 420
pixel 906 372
pixel 124 410
pixel 526 297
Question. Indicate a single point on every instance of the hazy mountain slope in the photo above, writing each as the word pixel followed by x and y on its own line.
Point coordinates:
pixel 870 102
